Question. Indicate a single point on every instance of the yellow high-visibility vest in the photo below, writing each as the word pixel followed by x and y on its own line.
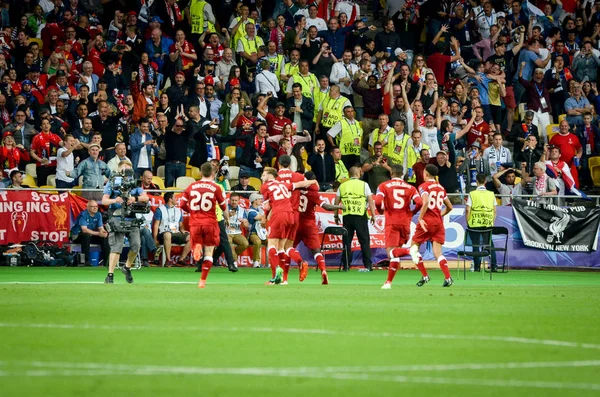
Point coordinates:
pixel 352 195
pixel 332 110
pixel 350 139
pixel 197 17
pixel 482 208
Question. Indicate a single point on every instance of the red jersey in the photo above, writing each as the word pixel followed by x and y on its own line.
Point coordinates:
pixel 433 208
pixel 10 159
pixel 45 146
pixel 309 199
pixel 288 176
pixel 276 124
pixel 187 48
pixel 247 127
pixel 569 146
pixel 397 196
pixel 479 133
pixel 278 195
pixel 200 199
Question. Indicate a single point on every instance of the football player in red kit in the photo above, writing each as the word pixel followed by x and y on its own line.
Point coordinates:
pixel 431 224
pixel 200 200
pixel 396 197
pixel 309 232
pixel 289 252
pixel 280 215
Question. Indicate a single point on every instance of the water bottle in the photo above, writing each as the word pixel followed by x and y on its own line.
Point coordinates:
pixel 388 50
pixel 473 172
pixel 576 161
pixel 498 166
pixel 410 173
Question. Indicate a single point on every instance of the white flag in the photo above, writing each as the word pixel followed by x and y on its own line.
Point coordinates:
pixel 534 10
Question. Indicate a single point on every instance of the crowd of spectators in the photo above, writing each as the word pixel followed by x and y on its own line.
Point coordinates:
pixel 506 88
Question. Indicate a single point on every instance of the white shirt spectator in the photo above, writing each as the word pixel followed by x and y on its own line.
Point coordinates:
pixel 346 6
pixel 318 22
pixel 64 165
pixel 484 22
pixel 266 81
pixel 341 70
pixel 494 156
pixel 430 137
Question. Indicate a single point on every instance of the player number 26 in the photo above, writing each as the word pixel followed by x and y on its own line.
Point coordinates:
pixel 435 200
pixel 201 202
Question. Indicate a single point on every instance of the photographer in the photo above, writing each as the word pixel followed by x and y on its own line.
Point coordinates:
pixel 114 197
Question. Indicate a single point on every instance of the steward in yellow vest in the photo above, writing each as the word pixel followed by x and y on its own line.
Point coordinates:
pixel 355 195
pixel 197 21
pixel 348 135
pixel 481 213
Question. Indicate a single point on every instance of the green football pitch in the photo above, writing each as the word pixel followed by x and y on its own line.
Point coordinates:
pixel 526 333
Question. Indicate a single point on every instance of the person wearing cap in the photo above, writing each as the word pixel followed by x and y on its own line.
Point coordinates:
pixel 257 232
pixel 247 48
pixel 348 134
pixel 243 187
pixel 28 93
pixel 157 48
pixel 95 173
pixel 16 180
pixel 11 154
pixel 38 80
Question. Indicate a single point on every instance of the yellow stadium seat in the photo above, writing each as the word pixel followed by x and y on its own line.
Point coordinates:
pixel 594 164
pixel 29 181
pixel 561 118
pixel 47 191
pixel 52 180
pixel 160 172
pixel 183 182
pixel 551 130
pixel 273 162
pixel 75 191
pixel 158 182
pixel 196 173
pixel 30 169
pixel 230 152
pixel 255 183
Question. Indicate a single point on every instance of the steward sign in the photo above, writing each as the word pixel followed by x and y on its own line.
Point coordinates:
pixel 553 228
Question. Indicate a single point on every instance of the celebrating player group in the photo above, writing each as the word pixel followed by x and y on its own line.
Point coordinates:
pixel 289 203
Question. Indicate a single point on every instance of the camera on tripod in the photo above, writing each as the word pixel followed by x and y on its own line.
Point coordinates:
pixel 123 220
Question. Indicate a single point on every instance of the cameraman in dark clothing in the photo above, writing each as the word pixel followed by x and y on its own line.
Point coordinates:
pixel 113 197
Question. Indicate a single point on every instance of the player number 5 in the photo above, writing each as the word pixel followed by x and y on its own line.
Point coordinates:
pixel 205 200
pixel 399 199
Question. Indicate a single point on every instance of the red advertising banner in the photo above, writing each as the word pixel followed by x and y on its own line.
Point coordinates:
pixel 33 216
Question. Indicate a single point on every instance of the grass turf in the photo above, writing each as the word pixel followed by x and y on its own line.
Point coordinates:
pixel 68 335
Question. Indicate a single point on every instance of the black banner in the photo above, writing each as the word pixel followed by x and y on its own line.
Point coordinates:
pixel 553 228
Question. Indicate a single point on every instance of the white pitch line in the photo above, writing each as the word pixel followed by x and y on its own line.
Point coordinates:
pixel 98 369
pixel 508 339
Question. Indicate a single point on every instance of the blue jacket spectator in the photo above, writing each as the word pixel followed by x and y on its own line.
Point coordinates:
pixel 157 48
pixel 336 37
pixel 142 144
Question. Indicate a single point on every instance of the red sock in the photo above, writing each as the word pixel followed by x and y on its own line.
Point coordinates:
pixel 421 267
pixel 392 269
pixel 206 265
pixel 294 255
pixel 444 266
pixel 320 261
pixel 273 260
pixel 284 263
pixel 400 252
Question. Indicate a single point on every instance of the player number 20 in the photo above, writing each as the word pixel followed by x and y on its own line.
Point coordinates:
pixel 205 201
pixel 399 199
pixel 280 192
pixel 435 200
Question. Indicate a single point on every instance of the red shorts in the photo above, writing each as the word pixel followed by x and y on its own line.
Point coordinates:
pixel 281 225
pixel 396 235
pixel 207 235
pixel 309 235
pixel 435 233
pixel 509 98
pixel 295 226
